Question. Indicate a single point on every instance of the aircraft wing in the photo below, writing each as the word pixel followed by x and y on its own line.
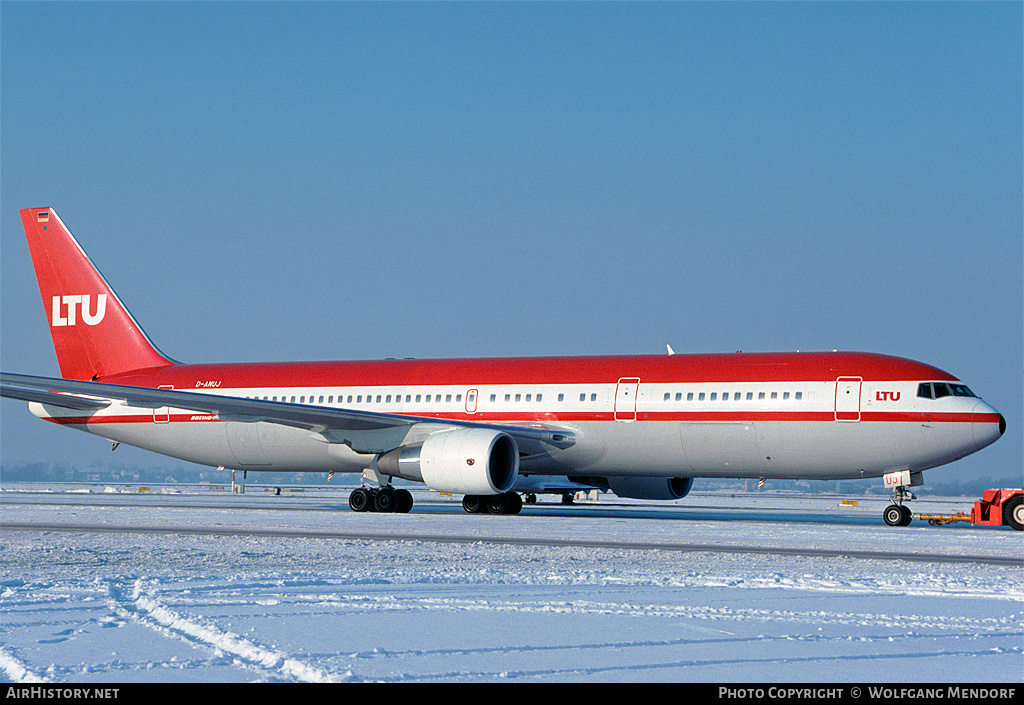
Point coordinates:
pixel 364 431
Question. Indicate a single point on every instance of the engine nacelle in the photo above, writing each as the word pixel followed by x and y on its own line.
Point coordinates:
pixel 461 461
pixel 650 487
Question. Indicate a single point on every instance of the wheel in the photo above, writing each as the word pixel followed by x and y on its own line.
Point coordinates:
pixel 360 500
pixel 496 504
pixel 471 503
pixel 513 503
pixel 907 515
pixel 385 500
pixel 1013 512
pixel 893 515
pixel 404 501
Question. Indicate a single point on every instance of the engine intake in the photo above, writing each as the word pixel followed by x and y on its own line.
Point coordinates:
pixel 461 461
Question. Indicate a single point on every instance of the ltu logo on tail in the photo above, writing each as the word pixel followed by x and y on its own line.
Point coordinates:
pixel 73 303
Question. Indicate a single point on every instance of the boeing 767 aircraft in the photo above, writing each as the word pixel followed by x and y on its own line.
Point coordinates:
pixel 639 426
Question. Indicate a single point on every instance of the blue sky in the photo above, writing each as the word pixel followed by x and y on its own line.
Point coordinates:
pixel 278 181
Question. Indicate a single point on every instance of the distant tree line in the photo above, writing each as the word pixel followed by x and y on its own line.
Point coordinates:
pixel 52 472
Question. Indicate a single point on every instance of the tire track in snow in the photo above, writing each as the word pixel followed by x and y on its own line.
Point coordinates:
pixel 17 671
pixel 649 670
pixel 144 607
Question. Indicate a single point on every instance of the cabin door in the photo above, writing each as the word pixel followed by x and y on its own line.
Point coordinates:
pixel 625 399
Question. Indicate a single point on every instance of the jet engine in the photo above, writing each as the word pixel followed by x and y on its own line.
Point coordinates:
pixel 650 487
pixel 476 461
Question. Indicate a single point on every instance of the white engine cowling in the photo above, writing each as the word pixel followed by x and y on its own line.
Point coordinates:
pixel 461 461
pixel 650 487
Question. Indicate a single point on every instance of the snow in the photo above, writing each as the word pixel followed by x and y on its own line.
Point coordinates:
pixel 105 584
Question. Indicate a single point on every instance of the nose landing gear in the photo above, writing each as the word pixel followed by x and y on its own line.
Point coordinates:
pixel 896 514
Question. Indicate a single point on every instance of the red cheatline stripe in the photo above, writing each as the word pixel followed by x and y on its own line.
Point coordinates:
pixel 693 416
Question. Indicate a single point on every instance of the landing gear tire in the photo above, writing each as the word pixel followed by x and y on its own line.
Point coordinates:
pixel 1013 513
pixel 508 503
pixel 385 500
pixel 897 515
pixel 513 503
pixel 360 500
pixel 404 504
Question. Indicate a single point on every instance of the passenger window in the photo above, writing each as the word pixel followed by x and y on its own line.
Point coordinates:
pixel 760 395
pixel 799 396
pixel 775 395
pixel 714 396
pixel 750 396
pixel 666 396
pixel 593 397
pixel 700 397
pixel 689 396
pixel 508 397
pixel 583 397
pixel 494 397
pixel 539 396
pixel 561 397
pixel 528 397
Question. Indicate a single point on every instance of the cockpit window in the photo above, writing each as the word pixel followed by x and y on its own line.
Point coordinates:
pixel 937 390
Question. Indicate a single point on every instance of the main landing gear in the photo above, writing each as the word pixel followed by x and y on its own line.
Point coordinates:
pixel 508 503
pixel 385 500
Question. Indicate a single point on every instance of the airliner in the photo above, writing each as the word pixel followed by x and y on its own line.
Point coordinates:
pixel 494 429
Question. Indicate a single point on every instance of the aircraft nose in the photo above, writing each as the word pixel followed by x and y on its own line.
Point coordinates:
pixel 988 425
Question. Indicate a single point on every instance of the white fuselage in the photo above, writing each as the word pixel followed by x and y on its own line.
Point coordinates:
pixel 845 428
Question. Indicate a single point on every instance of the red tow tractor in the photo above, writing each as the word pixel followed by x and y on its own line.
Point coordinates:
pixel 996 507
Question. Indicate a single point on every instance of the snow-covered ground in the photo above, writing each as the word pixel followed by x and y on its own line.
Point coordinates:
pixel 200 585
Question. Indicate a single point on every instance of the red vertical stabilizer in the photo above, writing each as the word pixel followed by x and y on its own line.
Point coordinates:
pixel 94 335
